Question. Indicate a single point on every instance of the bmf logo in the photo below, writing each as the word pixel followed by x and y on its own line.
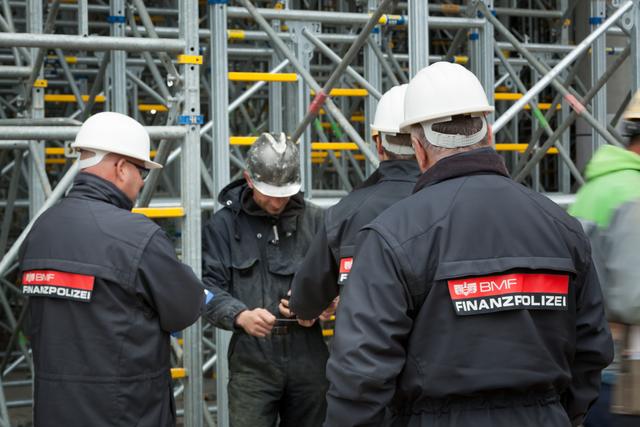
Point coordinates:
pixel 465 288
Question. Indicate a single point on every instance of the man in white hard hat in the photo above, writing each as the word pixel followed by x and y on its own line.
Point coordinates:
pixel 326 266
pixel 250 249
pixel 472 302
pixel 105 291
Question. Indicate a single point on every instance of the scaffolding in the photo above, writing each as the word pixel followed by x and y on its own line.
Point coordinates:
pixel 206 77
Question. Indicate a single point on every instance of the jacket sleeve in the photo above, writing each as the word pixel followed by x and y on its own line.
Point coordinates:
pixel 372 325
pixel 216 274
pixel 594 346
pixel 315 284
pixel 622 265
pixel 168 285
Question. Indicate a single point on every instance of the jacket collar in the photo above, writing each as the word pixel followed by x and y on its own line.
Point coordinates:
pixel 483 161
pixel 91 187
pixel 393 170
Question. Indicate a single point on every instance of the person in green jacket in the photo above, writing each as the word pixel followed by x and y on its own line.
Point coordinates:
pixel 605 206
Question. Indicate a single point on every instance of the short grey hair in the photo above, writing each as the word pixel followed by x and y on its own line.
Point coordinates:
pixel 462 124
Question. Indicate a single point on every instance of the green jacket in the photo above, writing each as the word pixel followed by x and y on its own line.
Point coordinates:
pixel 613 179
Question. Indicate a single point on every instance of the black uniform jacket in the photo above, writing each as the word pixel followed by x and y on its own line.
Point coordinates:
pixel 249 258
pixel 106 289
pixel 474 285
pixel 328 261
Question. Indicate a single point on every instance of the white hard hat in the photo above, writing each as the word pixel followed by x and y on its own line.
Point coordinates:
pixel 116 133
pixel 437 93
pixel 390 110
pixel 389 115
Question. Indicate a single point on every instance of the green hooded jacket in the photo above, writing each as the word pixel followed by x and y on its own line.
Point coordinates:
pixel 613 179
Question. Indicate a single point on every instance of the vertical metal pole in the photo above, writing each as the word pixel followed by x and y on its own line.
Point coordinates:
pixel 83 17
pixel 36 191
pixel 191 193
pixel 418 35
pixel 220 133
pixel 564 177
pixel 483 65
pixel 275 89
pixel 304 51
pixel 117 94
pixel 372 74
pixel 635 48
pixel 598 67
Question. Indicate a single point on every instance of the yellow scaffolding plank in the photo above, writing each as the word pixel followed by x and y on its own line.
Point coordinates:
pixel 177 373
pixel 239 76
pixel 169 212
pixel 62 97
pixel 334 146
pixel 242 140
pixel 152 107
pixel 190 59
pixel 508 96
pixel 520 148
pixel 54 151
pixel 346 91
pixel 55 161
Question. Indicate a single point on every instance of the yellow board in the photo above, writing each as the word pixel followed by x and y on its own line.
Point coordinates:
pixel 236 76
pixel 346 92
pixel 61 97
pixel 190 59
pixel 177 373
pixel 520 148
pixel 171 212
pixel 152 107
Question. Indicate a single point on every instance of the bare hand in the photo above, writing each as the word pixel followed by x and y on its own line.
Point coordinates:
pixel 331 310
pixel 257 322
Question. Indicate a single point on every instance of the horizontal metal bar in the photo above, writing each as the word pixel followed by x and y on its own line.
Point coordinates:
pixel 91 43
pixel 68 133
pixel 435 22
pixel 14 71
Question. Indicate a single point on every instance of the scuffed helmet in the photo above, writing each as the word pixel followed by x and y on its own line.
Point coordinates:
pixel 273 162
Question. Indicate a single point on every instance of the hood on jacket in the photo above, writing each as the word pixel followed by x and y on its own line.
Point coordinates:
pixel 237 197
pixel 609 159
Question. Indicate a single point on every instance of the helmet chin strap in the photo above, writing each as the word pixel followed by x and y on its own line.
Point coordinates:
pixel 94 160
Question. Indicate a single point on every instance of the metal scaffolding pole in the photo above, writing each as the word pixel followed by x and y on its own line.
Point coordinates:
pixel 219 106
pixel 598 67
pixel 419 24
pixel 373 74
pixel 191 195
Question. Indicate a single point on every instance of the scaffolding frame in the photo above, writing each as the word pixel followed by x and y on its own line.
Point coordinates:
pixel 271 60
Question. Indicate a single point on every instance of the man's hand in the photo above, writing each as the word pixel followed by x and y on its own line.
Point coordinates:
pixel 331 310
pixel 257 322
pixel 286 312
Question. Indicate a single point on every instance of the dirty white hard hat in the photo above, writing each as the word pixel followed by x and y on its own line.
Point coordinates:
pixel 109 132
pixel 389 115
pixel 273 162
pixel 439 92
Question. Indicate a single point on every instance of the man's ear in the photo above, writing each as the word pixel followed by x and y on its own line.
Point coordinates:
pixel 247 178
pixel 378 140
pixel 489 134
pixel 421 154
pixel 121 171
